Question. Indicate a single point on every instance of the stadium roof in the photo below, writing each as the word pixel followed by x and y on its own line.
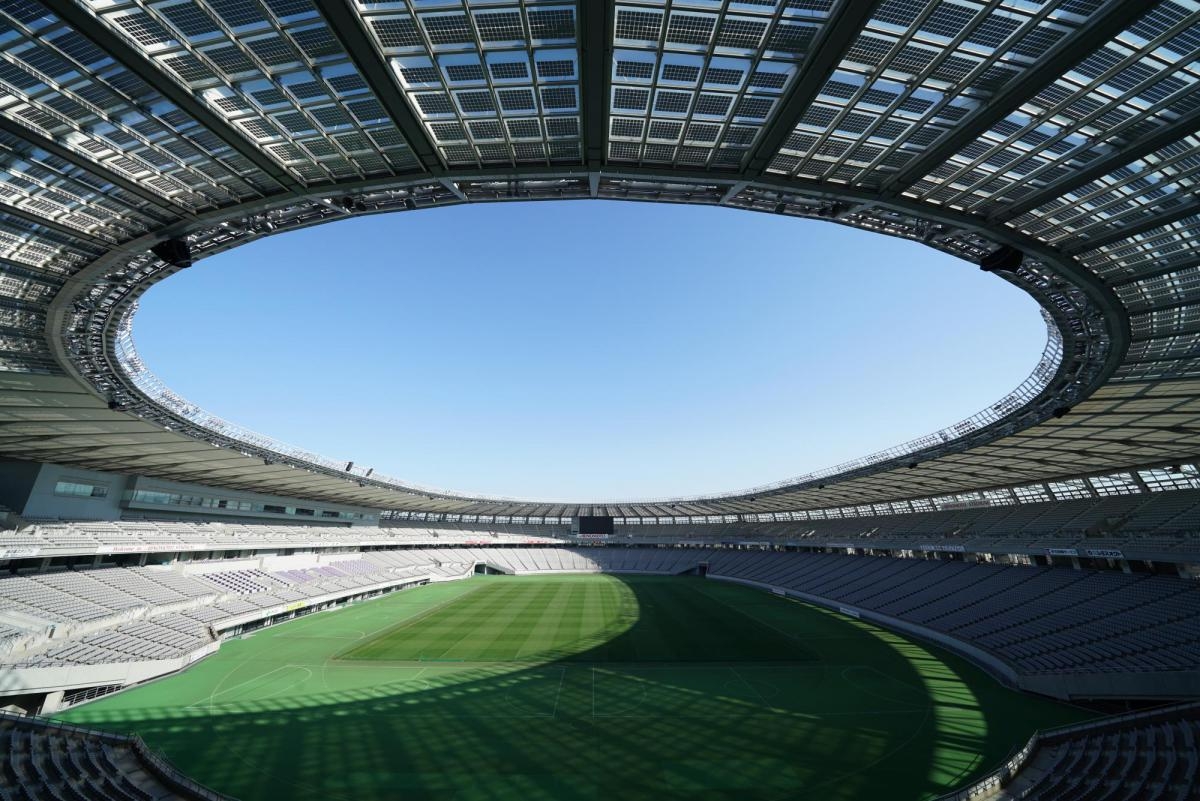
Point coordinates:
pixel 1055 142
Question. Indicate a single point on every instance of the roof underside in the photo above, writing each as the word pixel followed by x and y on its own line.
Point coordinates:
pixel 1066 128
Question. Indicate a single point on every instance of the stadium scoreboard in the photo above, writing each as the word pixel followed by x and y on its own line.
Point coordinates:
pixel 592 527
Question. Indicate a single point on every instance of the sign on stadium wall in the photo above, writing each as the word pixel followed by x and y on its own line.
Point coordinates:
pixel 17 553
pixel 1063 551
pixel 1105 553
pixel 591 536
pixel 945 548
pixel 138 548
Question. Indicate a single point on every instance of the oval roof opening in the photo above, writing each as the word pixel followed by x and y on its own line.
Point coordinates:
pixel 598 350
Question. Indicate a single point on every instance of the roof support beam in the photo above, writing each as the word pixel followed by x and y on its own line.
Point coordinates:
pixel 57 227
pixel 1098 30
pixel 453 189
pixel 1158 273
pixel 1182 304
pixel 91 27
pixel 97 169
pixel 1154 337
pixel 840 31
pixel 348 29
pixel 1148 224
pixel 1185 357
pixel 1185 125
pixel 1151 382
pixel 595 49
pixel 733 191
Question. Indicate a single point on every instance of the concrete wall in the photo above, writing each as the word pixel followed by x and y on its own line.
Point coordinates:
pixel 16 482
pixel 27 488
pixel 53 680
pixel 36 498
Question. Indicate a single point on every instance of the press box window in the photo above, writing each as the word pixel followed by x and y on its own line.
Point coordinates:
pixel 150 496
pixel 73 489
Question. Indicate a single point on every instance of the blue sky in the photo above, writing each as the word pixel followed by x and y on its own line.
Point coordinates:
pixel 589 349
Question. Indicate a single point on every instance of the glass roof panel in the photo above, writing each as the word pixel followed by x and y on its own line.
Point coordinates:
pixel 277 73
pixel 916 70
pixel 1143 79
pixel 64 88
pixel 696 87
pixel 490 82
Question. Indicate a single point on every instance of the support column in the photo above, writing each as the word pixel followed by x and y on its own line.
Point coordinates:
pixel 52 702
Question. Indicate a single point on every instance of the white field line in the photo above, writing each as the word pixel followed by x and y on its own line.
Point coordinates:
pixel 217 691
pixel 561 678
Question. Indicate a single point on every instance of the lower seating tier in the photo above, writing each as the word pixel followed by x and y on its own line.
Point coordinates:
pixel 1038 620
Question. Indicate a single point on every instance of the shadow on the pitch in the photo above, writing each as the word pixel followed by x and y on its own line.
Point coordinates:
pixel 759 702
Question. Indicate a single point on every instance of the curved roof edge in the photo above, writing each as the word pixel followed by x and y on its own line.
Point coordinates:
pixel 1068 131
pixel 1083 319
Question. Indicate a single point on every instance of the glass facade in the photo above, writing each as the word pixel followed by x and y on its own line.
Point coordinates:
pixel 80 489
pixel 205 501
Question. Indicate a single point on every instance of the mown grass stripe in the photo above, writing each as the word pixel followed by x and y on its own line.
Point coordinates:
pixel 632 707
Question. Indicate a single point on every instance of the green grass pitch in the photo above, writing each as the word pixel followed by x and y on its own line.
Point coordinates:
pixel 579 687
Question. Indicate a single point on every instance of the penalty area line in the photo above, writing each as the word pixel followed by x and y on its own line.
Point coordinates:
pixel 208 701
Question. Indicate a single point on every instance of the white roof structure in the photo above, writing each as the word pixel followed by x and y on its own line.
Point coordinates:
pixel 1052 141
